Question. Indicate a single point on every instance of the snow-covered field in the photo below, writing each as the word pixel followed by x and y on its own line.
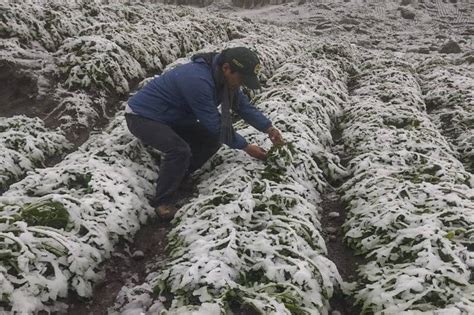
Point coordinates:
pixel 366 97
pixel 409 199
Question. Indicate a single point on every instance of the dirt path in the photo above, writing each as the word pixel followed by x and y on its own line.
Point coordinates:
pixel 333 218
pixel 128 263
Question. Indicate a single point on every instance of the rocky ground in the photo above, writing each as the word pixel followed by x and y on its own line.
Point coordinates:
pixel 410 27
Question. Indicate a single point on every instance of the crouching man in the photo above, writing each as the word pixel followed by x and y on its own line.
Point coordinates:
pixel 177 113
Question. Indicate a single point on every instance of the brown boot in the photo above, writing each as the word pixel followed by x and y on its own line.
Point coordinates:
pixel 166 212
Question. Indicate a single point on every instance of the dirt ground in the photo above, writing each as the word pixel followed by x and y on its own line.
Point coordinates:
pixel 338 252
pixel 151 241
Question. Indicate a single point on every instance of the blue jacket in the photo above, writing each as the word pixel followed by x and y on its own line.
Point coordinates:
pixel 188 93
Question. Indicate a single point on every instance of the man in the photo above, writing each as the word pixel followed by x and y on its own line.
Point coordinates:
pixel 177 113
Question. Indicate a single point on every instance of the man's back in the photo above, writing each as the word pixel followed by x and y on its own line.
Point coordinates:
pixel 188 94
pixel 164 99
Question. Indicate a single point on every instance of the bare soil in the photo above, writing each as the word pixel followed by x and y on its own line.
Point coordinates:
pixel 338 252
pixel 122 266
pixel 18 90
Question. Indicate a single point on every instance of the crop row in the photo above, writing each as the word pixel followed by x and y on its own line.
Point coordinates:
pixel 410 201
pixel 25 144
pixel 60 223
pixel 251 240
pixel 447 87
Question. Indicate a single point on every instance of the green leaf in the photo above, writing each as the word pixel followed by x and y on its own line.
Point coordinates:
pixel 46 213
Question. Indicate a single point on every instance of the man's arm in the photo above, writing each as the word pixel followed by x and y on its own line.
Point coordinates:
pixel 257 120
pixel 251 114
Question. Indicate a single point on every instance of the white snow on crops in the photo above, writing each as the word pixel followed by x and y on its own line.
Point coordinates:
pixel 24 144
pixel 252 239
pixel 448 92
pixel 77 109
pixel 410 201
pixel 59 223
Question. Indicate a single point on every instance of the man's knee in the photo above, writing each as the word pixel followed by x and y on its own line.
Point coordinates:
pixel 214 146
pixel 181 152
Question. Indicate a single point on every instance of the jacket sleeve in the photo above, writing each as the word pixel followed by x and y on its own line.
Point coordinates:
pixel 251 114
pixel 199 95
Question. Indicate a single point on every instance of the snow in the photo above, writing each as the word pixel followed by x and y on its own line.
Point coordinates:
pixel 96 222
pixel 447 89
pixel 408 193
pixel 26 143
pixel 95 62
pixel 103 187
pixel 242 222
pixel 253 234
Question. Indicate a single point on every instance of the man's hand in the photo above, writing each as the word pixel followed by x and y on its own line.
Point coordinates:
pixel 275 136
pixel 255 151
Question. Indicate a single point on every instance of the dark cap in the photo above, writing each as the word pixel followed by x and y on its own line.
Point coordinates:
pixel 245 62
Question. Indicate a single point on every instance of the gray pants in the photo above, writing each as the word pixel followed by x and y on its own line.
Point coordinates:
pixel 185 147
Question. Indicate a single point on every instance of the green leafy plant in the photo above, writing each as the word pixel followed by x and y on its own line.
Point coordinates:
pixel 46 213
